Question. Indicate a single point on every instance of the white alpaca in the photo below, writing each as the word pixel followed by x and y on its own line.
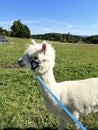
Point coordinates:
pixel 80 97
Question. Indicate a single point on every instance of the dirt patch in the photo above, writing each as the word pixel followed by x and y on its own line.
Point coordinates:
pixel 15 66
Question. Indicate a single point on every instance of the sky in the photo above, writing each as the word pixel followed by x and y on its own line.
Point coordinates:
pixel 78 17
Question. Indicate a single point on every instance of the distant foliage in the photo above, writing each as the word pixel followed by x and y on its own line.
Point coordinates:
pixel 68 38
pixel 4 32
pixel 20 30
pixel 60 37
pixel 92 39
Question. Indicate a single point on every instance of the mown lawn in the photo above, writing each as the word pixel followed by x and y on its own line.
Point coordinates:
pixel 21 104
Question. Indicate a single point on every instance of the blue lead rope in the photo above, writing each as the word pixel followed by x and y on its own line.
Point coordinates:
pixel 60 103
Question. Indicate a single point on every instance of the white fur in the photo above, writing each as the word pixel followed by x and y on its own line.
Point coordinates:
pixel 80 97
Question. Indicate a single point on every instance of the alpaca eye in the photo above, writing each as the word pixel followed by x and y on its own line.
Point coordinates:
pixel 44 60
pixel 35 57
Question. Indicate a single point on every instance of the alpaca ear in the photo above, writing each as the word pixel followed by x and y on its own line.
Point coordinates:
pixel 33 42
pixel 44 48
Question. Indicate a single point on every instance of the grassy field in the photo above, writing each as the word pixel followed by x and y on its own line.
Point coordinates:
pixel 21 104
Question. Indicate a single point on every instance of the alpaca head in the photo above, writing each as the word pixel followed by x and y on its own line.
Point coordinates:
pixel 39 57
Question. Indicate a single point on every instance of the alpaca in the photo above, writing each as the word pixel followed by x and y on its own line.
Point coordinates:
pixel 80 96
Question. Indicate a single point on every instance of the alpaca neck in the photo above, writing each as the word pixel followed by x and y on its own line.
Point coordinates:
pixel 49 78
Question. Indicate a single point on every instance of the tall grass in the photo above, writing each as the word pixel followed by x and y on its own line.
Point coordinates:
pixel 21 104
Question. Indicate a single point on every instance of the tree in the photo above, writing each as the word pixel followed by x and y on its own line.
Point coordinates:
pixel 4 32
pixel 1 30
pixel 68 37
pixel 20 30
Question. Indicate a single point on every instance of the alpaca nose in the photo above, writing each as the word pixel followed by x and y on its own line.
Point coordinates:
pixel 20 62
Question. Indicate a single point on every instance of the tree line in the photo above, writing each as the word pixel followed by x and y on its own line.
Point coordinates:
pixel 68 38
pixel 18 29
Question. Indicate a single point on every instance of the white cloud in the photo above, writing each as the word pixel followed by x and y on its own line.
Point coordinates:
pixel 47 29
pixel 30 21
pixel 6 24
pixel 56 22
pixel 69 26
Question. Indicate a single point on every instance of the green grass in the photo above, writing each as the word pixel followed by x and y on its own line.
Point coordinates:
pixel 21 104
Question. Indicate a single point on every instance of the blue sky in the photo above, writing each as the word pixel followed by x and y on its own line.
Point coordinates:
pixel 78 17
